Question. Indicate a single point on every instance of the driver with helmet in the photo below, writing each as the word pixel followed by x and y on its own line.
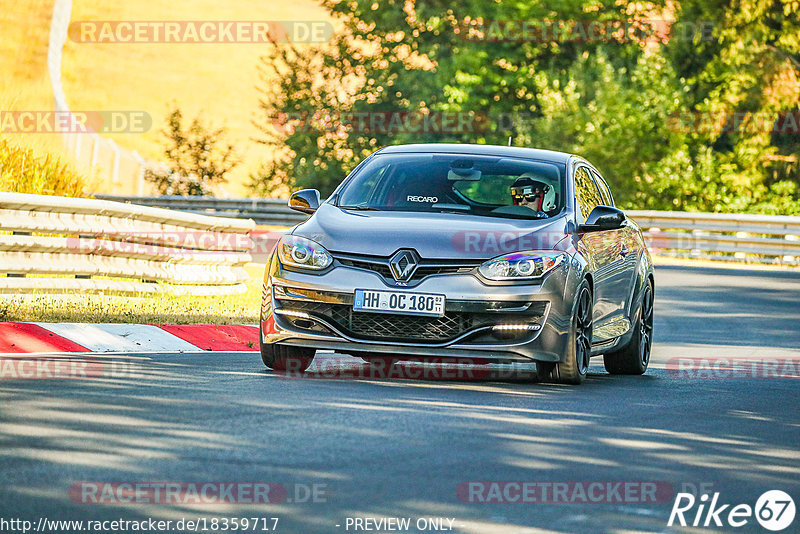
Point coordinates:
pixel 528 190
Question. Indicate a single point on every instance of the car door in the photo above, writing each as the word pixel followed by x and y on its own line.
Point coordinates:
pixel 603 251
pixel 631 247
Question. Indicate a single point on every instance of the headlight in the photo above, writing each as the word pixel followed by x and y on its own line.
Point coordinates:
pixel 301 252
pixel 521 265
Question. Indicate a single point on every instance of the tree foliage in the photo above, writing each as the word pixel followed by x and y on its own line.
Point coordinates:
pixel 653 114
pixel 198 158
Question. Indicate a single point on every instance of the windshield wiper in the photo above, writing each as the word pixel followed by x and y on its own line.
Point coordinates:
pixel 454 207
pixel 453 211
pixel 359 208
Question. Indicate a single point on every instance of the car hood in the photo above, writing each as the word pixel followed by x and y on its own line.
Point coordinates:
pixel 432 235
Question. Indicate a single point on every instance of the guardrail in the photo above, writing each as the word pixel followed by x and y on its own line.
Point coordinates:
pixel 60 244
pixel 737 237
pixel 723 236
pixel 267 212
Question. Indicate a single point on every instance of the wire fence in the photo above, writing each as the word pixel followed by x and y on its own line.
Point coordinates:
pixel 118 169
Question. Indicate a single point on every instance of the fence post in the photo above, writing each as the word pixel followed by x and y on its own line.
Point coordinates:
pixel 140 173
pixel 95 147
pixel 115 166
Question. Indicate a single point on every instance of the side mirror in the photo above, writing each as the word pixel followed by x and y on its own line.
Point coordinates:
pixel 305 200
pixel 603 218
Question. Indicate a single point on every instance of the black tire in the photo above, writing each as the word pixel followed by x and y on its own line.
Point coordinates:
pixel 573 370
pixel 633 358
pixel 286 358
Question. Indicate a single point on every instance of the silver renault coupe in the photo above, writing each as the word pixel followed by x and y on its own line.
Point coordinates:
pixel 486 253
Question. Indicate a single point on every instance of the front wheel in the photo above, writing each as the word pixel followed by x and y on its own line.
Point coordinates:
pixel 573 370
pixel 633 358
pixel 286 358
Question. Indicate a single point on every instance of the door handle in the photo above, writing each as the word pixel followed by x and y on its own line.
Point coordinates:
pixel 624 251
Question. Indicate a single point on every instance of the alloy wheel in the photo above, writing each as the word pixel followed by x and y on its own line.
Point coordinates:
pixel 583 331
pixel 646 326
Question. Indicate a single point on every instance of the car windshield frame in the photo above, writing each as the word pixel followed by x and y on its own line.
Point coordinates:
pixel 463 172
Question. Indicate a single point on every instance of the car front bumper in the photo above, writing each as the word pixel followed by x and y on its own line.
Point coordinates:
pixel 315 310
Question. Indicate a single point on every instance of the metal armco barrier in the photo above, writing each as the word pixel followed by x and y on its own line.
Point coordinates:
pixel 742 237
pixel 267 212
pixel 99 245
pixel 761 238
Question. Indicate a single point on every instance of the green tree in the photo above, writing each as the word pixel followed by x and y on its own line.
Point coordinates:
pixel 197 156
pixel 739 80
pixel 398 56
pixel 623 105
pixel 616 117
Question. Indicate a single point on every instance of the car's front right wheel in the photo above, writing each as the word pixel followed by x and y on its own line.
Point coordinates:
pixel 633 358
pixel 574 368
pixel 286 358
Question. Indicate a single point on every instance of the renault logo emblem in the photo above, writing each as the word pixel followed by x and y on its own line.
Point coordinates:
pixel 403 264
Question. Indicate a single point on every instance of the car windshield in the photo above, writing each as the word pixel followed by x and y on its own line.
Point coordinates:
pixel 456 183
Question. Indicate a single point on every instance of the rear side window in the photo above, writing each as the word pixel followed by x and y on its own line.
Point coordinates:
pixel 586 192
pixel 605 192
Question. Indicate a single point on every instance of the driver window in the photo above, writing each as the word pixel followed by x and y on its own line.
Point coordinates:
pixel 586 192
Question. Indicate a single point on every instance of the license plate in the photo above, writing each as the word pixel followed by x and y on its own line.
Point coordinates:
pixel 397 302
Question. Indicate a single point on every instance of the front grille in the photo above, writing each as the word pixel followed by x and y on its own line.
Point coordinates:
pixel 408 327
pixel 425 268
pixel 380 268
pixel 423 271
pixel 395 327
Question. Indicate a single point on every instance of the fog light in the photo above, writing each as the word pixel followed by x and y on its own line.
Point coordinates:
pixel 305 324
pixel 517 327
pixel 510 331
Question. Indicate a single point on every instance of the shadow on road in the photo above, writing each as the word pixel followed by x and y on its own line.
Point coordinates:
pixel 727 306
pixel 390 447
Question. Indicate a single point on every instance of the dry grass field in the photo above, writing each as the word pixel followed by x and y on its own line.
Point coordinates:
pixel 218 80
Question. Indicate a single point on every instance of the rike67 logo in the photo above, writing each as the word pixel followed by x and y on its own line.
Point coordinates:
pixel 774 510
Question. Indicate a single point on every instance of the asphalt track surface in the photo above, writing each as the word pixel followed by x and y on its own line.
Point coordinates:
pixel 405 448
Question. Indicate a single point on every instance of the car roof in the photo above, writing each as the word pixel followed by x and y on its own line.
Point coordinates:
pixel 479 150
